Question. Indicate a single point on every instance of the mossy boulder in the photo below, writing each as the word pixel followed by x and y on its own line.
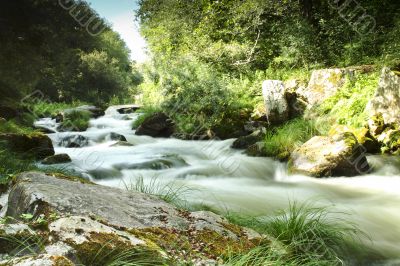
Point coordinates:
pixel 42 260
pixel 57 159
pixel 323 84
pixel 386 101
pixel 99 223
pixel 157 125
pixel 340 155
pixel 35 145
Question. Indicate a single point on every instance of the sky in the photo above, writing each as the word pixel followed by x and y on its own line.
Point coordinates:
pixel 120 13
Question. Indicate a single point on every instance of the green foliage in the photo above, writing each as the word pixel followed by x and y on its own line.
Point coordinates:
pixel 76 120
pixel 11 164
pixel 243 36
pixel 145 112
pixel 281 141
pixel 308 236
pixel 44 49
pixel 347 106
pixel 41 108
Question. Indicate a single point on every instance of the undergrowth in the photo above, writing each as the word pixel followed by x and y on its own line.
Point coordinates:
pixel 309 236
pixel 348 105
pixel 281 141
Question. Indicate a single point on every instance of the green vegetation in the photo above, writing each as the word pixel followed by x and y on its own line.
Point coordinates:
pixel 145 112
pixel 213 56
pixel 281 141
pixel 44 49
pixel 76 120
pixel 308 236
pixel 347 106
pixel 40 108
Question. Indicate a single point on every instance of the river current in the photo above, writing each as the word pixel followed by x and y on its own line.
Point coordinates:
pixel 225 179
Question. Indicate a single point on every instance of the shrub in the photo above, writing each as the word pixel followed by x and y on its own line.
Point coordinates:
pixel 281 141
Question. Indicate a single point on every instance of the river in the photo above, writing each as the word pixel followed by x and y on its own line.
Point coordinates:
pixel 226 179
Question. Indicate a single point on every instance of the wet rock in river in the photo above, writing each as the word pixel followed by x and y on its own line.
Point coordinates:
pixel 340 155
pixel 116 136
pixel 74 141
pixel 157 125
pixel 57 159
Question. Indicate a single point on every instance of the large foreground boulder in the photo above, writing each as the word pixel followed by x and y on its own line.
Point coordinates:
pixel 87 222
pixel 277 108
pixel 37 145
pixel 386 101
pixel 157 125
pixel 340 155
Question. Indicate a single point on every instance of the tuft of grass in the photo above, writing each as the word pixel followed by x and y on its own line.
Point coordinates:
pixel 128 257
pixel 309 236
pixel 10 165
pixel 281 141
pixel 171 192
pixel 24 246
pixel 76 120
pixel 347 106
pixel 145 112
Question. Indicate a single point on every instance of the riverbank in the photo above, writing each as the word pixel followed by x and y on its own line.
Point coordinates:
pixel 252 195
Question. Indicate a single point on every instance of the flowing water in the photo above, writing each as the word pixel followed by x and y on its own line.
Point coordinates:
pixel 227 179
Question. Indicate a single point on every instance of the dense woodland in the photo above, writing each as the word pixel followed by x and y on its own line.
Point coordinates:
pixel 44 48
pixel 208 61
pixel 210 57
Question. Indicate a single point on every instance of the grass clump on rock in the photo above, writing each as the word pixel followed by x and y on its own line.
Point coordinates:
pixel 307 235
pixel 281 141
pixel 76 120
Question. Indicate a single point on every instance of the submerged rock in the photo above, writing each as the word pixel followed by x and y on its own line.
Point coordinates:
pixel 157 125
pixel 122 143
pixel 386 101
pixel 57 159
pixel 74 141
pixel 116 136
pixel 247 141
pixel 128 109
pixel 340 155
pixel 37 145
pixel 277 108
pixel 257 150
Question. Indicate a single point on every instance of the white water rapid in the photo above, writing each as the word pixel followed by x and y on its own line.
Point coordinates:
pixel 227 179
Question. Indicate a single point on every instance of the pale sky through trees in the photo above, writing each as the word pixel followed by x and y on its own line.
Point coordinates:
pixel 120 13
